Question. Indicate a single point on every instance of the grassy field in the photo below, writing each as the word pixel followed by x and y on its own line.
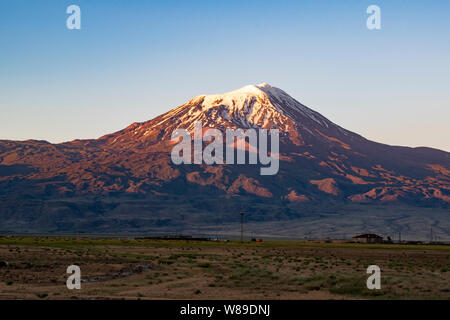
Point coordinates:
pixel 35 268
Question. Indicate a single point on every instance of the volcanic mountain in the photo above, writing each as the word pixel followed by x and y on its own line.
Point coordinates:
pixel 128 178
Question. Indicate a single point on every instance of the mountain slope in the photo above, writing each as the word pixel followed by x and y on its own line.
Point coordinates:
pixel 319 162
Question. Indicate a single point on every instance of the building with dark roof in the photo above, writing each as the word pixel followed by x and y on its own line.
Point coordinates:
pixel 368 238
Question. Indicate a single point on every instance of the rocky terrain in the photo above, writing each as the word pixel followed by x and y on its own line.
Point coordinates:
pixel 127 181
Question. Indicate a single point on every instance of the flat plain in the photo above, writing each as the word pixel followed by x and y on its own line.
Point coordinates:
pixel 35 268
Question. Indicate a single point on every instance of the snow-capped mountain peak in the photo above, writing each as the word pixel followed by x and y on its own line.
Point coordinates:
pixel 260 105
pixel 252 106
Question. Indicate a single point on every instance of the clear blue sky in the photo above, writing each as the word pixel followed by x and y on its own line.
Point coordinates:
pixel 133 60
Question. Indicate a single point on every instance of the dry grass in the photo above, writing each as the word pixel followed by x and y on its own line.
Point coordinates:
pixel 206 270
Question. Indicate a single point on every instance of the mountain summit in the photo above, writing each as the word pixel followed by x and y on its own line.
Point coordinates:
pixel 320 163
pixel 252 106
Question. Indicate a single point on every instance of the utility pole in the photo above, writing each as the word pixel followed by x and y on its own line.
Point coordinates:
pixel 242 226
pixel 217 231
pixel 399 237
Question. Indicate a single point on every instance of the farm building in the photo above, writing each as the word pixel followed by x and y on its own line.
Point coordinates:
pixel 368 238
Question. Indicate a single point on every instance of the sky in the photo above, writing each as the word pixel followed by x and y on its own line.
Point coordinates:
pixel 133 60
